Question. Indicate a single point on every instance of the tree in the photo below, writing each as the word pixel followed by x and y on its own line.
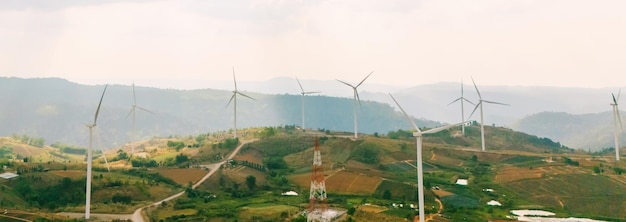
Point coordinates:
pixel 251 182
pixel 387 195
pixel 121 155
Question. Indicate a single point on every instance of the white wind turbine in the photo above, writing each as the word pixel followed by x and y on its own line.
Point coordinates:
pixel 482 122
pixel 617 124
pixel 356 99
pixel 234 97
pixel 418 140
pixel 89 158
pixel 303 93
pixel 462 99
pixel 133 109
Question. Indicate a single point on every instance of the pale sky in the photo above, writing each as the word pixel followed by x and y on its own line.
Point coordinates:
pixel 183 43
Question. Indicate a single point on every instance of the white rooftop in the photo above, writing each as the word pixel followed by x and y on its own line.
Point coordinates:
pixel 494 203
pixel 461 182
pixel 8 175
pixel 290 193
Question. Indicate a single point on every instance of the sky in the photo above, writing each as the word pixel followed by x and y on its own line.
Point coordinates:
pixel 189 43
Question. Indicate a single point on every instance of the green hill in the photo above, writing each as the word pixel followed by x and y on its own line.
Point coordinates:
pixel 369 175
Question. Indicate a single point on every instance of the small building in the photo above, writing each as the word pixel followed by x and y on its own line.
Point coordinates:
pixel 462 182
pixel 494 203
pixel 8 175
pixel 289 193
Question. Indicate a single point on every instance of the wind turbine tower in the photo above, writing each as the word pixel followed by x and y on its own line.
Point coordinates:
pixel 303 93
pixel 418 140
pixel 317 193
pixel 133 108
pixel 233 99
pixel 482 120
pixel 89 158
pixel 356 99
pixel 462 100
pixel 617 124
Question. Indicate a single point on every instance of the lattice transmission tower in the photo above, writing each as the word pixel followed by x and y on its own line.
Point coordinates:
pixel 317 195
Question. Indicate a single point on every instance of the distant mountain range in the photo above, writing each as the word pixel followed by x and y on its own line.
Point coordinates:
pixel 57 109
pixel 587 122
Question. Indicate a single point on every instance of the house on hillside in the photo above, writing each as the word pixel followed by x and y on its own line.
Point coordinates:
pixel 462 182
pixel 494 203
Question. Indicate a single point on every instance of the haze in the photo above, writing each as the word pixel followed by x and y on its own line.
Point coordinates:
pixel 187 44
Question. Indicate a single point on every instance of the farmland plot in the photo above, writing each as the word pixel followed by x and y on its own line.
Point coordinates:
pixel 349 182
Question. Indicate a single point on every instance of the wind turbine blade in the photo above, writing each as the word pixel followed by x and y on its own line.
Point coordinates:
pixel 439 129
pixel 455 100
pixel 614 100
pixel 358 98
pixel 492 102
pixel 231 99
pixel 144 109
pixel 95 118
pixel 234 79
pixel 348 84
pixel 129 112
pixel 302 89
pixel 406 115
pixel 619 118
pixel 134 95
pixel 479 96
pixel 368 75
pixel 475 108
pixel 245 95
pixel 467 100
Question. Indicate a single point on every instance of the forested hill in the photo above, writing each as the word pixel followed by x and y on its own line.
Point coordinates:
pixel 57 110
pixel 585 131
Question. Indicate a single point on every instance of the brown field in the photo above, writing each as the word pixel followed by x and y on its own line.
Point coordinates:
pixel 302 180
pixel 510 174
pixel 442 193
pixel 350 182
pixel 240 173
pixel 183 176
pixel 74 174
pixel 372 208
pixel 443 159
pixel 250 156
pixel 563 169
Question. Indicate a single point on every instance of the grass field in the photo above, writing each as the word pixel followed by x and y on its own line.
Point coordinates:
pixel 594 194
pixel 266 212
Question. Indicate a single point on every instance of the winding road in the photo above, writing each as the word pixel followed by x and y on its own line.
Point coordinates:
pixel 137 216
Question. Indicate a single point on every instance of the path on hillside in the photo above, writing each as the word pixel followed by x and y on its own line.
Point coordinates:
pixel 137 216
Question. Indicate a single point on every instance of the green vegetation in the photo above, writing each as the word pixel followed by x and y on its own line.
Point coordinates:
pixel 377 170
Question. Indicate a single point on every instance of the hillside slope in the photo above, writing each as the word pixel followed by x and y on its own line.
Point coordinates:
pixel 586 131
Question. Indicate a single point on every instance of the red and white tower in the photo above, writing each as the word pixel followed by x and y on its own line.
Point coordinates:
pixel 317 195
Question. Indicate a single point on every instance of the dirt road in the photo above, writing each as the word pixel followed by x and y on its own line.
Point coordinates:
pixel 137 216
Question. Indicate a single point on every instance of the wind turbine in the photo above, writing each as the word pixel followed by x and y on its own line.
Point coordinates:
pixel 234 97
pixel 356 98
pixel 482 122
pixel 617 122
pixel 132 110
pixel 89 157
pixel 303 93
pixel 418 140
pixel 462 110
